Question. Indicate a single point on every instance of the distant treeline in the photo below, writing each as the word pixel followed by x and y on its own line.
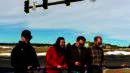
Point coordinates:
pixel 33 44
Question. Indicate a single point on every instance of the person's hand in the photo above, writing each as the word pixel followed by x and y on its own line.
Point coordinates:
pixel 77 63
pixel 124 65
pixel 59 66
pixel 29 69
pixel 38 68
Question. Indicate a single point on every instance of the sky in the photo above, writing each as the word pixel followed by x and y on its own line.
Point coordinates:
pixel 108 18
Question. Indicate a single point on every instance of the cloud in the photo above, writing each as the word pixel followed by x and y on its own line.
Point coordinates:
pixel 17 26
pixel 109 17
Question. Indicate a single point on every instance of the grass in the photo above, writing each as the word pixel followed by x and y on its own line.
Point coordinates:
pixel 5 50
pixel 41 49
pixel 124 70
pixel 37 49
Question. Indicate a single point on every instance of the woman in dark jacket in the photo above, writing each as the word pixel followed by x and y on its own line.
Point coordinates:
pixel 55 57
pixel 23 56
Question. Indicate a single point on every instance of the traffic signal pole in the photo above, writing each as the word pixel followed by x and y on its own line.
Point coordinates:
pixel 45 4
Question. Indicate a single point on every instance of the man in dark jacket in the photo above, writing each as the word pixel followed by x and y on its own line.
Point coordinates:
pixel 77 56
pixel 23 56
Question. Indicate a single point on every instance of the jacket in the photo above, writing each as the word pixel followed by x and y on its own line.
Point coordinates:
pixel 54 58
pixel 24 55
pixel 73 55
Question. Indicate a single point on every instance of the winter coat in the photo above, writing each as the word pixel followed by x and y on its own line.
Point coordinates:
pixel 24 55
pixel 54 58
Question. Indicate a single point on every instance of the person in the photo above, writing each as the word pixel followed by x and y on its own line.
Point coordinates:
pixel 55 57
pixel 96 56
pixel 77 56
pixel 23 55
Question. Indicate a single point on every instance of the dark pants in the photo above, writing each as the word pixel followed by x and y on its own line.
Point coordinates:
pixel 80 70
pixel 20 70
pixel 94 69
pixel 76 71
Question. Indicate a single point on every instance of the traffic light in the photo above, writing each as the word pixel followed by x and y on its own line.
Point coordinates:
pixel 26 6
pixel 67 2
pixel 45 4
